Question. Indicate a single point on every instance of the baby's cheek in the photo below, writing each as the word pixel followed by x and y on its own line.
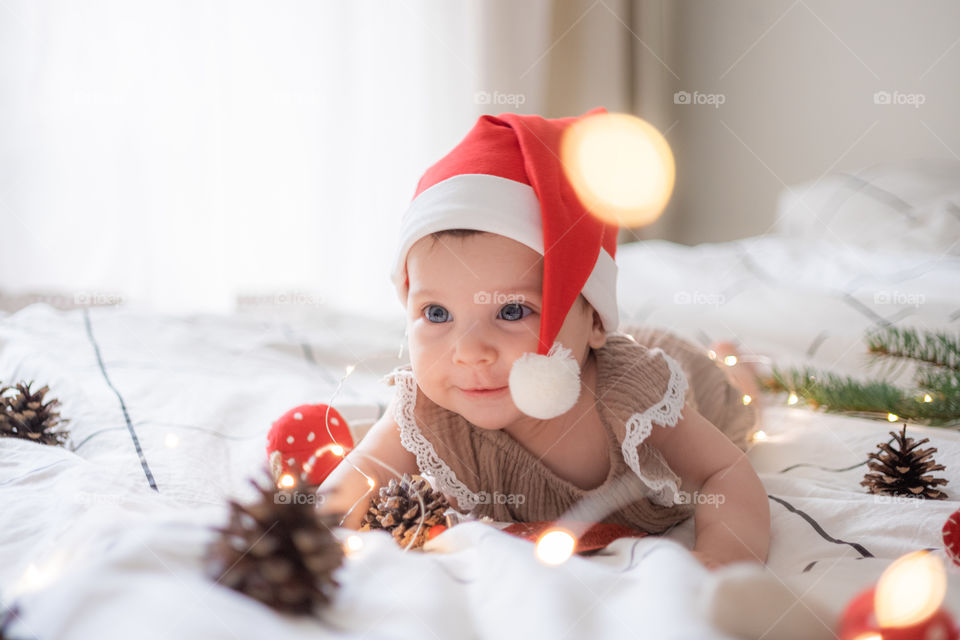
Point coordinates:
pixel 426 346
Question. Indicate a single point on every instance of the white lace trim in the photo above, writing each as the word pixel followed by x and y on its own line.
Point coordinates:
pixel 413 441
pixel 663 488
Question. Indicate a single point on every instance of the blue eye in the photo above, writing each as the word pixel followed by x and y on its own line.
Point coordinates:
pixel 436 314
pixel 514 311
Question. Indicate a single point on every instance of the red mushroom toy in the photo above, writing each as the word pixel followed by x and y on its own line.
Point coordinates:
pixel 951 537
pixel 306 443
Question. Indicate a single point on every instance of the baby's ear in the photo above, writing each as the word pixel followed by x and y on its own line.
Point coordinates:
pixel 598 337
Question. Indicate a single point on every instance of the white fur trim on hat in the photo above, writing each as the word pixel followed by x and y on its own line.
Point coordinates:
pixel 496 205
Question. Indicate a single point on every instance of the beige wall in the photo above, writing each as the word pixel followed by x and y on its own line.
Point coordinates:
pixel 798 82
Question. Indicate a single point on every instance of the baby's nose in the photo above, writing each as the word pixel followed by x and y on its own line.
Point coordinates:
pixel 473 347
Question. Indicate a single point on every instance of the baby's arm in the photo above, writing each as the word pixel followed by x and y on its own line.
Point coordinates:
pixel 732 514
pixel 346 485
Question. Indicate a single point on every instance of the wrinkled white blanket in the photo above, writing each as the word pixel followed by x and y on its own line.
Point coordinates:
pixel 169 414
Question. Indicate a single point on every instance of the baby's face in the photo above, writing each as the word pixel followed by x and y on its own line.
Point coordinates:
pixel 472 309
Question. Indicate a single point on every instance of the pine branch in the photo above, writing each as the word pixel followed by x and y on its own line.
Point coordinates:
pixel 844 394
pixel 943 387
pixel 936 348
pixel 826 389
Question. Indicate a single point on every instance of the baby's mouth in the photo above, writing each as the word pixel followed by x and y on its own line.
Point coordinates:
pixel 484 392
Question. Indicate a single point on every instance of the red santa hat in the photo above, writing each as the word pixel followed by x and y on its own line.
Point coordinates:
pixel 505 177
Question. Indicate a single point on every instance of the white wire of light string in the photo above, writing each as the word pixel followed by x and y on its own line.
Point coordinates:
pixel 350 369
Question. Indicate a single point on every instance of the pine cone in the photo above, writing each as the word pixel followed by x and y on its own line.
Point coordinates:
pixel 279 550
pixel 397 510
pixel 24 414
pixel 901 470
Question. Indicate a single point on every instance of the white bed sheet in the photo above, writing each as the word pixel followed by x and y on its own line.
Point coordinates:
pixel 105 542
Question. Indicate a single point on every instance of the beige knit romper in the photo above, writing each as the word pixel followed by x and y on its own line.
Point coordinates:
pixel 642 384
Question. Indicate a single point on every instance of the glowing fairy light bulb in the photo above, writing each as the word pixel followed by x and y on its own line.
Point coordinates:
pixel 910 590
pixel 712 354
pixel 760 436
pixel 352 544
pixel 927 397
pixel 904 604
pixel 287 481
pixel 555 546
pixel 350 368
pixel 335 449
pixel 371 483
pixel 792 399
pixel 620 166
pixel 747 399
pixel 39 575
pixel 730 360
pixel 892 417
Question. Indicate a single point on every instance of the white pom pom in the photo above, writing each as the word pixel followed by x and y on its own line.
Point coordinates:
pixel 545 386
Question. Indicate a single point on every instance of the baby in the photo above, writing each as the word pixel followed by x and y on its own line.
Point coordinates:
pixel 523 398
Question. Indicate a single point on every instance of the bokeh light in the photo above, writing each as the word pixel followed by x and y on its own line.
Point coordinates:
pixel 555 546
pixel 620 166
pixel 910 589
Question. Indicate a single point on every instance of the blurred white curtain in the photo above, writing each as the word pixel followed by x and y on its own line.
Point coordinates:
pixel 180 153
